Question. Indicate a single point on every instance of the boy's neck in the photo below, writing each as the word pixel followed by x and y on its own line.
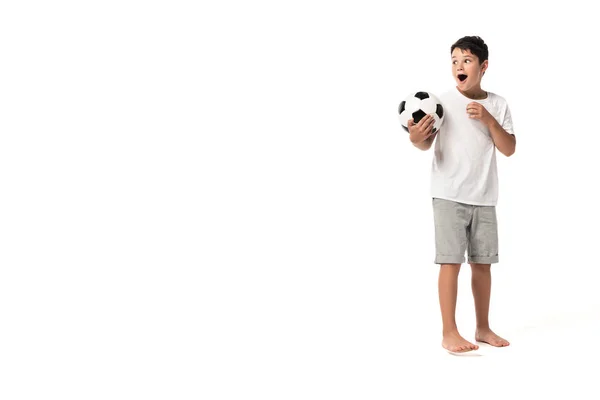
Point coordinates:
pixel 474 94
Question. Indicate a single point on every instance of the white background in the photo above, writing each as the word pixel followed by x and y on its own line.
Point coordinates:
pixel 217 201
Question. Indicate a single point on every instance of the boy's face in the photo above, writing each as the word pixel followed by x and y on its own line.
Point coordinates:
pixel 466 69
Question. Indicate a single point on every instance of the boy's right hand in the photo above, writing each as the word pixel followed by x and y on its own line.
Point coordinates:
pixel 421 131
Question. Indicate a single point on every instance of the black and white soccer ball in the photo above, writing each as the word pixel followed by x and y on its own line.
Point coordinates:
pixel 417 105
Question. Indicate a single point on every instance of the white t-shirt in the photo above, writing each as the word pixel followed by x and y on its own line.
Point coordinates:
pixel 464 163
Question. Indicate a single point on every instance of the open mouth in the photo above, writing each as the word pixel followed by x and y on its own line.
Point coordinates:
pixel 462 77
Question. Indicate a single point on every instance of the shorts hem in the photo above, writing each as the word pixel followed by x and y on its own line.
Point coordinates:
pixel 449 260
pixel 484 260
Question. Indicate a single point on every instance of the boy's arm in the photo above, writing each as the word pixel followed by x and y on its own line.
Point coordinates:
pixel 425 144
pixel 505 142
pixel 421 135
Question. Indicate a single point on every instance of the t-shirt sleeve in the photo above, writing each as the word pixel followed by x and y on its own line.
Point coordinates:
pixel 507 123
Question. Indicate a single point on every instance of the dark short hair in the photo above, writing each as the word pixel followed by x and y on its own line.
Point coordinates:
pixel 474 44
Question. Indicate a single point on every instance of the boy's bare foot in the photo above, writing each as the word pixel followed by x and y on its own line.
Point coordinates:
pixel 489 337
pixel 457 344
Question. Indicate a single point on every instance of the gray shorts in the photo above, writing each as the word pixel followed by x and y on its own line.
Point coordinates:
pixel 460 227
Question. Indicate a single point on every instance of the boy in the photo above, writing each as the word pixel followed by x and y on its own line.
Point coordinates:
pixel 464 187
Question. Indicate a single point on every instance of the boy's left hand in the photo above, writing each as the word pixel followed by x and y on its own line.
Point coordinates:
pixel 477 111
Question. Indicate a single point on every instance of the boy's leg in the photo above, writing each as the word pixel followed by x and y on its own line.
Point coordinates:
pixel 448 288
pixel 451 221
pixel 481 283
pixel 483 251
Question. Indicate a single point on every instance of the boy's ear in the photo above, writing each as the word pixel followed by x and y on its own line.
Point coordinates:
pixel 484 66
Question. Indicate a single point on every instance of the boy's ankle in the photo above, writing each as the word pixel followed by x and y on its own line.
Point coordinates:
pixel 449 331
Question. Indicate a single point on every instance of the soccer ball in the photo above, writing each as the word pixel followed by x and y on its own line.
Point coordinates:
pixel 419 104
